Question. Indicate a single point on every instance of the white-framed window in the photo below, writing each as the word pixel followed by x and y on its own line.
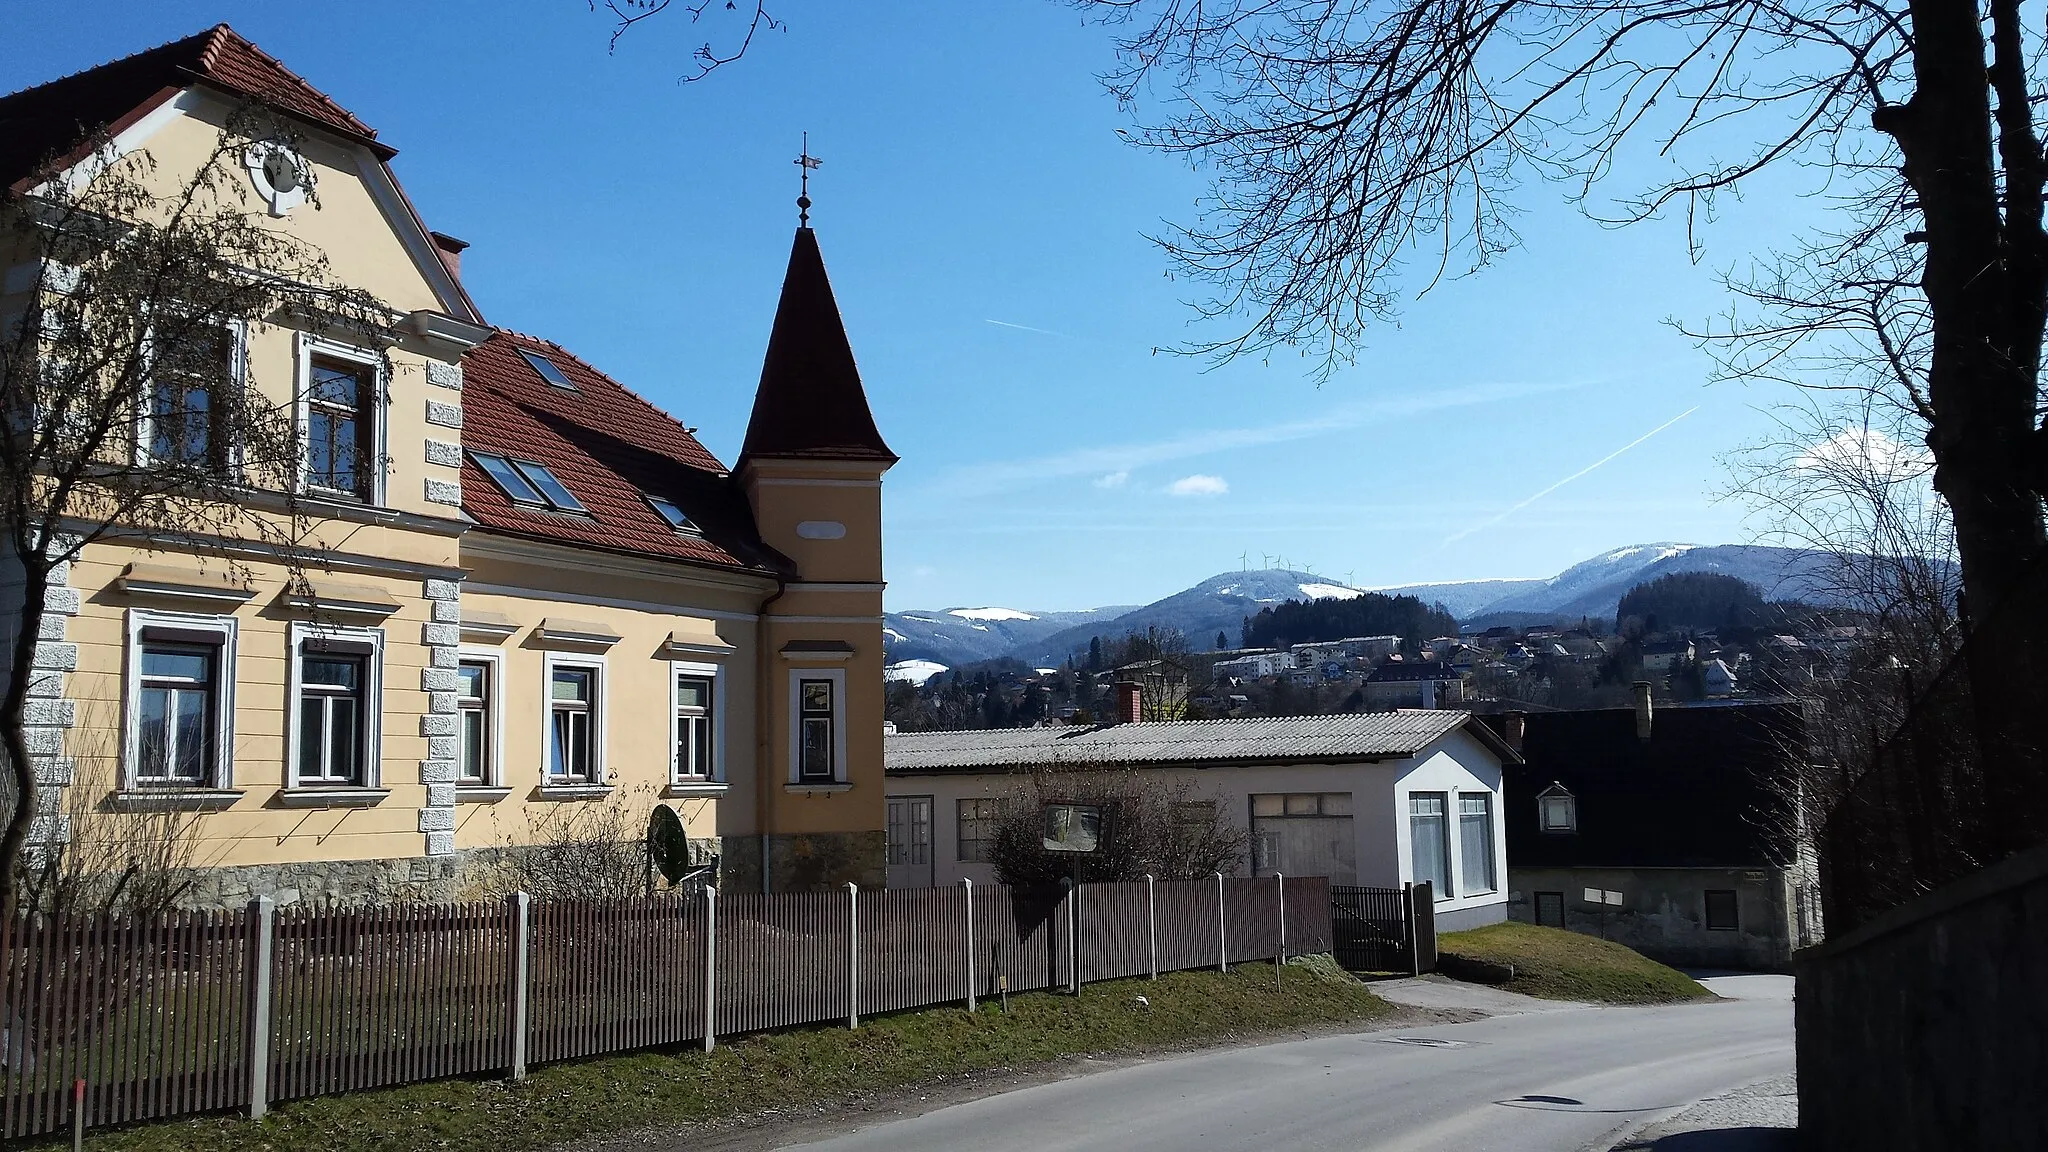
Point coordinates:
pixel 1475 842
pixel 179 720
pixel 697 724
pixel 334 725
pixel 342 430
pixel 817 726
pixel 1429 842
pixel 574 721
pixel 1557 810
pixel 480 717
pixel 182 419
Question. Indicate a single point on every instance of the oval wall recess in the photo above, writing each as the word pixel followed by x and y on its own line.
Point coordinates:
pixel 821 530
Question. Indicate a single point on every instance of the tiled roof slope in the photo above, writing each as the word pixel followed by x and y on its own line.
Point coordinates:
pixel 1266 740
pixel 608 446
pixel 810 403
pixel 54 119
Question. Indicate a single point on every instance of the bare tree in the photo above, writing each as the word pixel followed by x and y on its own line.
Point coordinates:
pixel 739 25
pixel 1348 137
pixel 127 862
pixel 1157 826
pixel 128 413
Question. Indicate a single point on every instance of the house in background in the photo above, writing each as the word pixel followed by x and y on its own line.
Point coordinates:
pixel 1686 813
pixel 536 592
pixel 1420 684
pixel 1376 799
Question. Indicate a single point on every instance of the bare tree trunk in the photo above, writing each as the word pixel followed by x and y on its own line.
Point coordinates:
pixel 35 582
pixel 1986 282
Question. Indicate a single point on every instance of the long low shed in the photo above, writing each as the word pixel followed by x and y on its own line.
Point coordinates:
pixel 1377 798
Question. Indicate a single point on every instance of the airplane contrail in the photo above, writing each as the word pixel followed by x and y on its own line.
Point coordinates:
pixel 1024 328
pixel 1485 524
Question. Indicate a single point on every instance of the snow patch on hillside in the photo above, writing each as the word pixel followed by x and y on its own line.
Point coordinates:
pixel 990 614
pixel 894 634
pixel 913 671
pixel 1330 592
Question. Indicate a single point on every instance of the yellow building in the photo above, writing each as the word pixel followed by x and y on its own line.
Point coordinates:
pixel 537 592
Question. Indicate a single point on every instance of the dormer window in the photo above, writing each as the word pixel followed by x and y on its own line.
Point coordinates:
pixel 548 369
pixel 1557 810
pixel 676 517
pixel 528 483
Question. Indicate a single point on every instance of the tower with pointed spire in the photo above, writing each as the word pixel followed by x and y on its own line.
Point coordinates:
pixel 812 468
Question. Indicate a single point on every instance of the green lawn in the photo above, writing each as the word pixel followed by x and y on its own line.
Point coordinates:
pixel 1560 965
pixel 564 1101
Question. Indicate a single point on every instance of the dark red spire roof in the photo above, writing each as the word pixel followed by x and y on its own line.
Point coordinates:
pixel 810 403
pixel 52 120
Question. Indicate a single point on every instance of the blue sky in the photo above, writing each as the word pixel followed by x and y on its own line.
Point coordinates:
pixel 984 228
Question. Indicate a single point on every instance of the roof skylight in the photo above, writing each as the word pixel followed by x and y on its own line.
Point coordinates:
pixel 676 517
pixel 558 495
pixel 528 483
pixel 548 369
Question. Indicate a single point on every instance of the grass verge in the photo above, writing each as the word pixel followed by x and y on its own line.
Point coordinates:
pixel 802 1066
pixel 1559 965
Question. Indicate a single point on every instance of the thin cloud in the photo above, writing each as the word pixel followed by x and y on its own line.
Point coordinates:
pixel 1490 522
pixel 1026 328
pixel 1200 484
pixel 1113 480
pixel 1008 475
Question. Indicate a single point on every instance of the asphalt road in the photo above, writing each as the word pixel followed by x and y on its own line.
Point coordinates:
pixel 1554 1081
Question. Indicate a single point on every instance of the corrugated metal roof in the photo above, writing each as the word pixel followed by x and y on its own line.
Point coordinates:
pixel 1283 739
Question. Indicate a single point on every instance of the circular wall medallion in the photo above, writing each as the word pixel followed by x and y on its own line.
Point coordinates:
pixel 281 176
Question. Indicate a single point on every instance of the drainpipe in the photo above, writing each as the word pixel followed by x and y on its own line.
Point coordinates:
pixel 762 742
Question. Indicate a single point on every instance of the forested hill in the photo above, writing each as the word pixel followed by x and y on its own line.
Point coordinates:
pixel 1705 600
pixel 1373 614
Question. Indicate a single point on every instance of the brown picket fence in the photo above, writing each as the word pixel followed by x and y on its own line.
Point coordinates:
pixel 147 1018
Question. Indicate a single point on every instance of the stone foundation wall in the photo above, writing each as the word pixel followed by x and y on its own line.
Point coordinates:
pixel 464 874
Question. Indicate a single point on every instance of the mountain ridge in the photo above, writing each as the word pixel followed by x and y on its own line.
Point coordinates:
pixel 1591 588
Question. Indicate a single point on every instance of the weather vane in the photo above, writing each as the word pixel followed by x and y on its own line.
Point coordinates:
pixel 807 163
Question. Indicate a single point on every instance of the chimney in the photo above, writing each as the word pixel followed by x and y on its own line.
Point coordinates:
pixel 1515 725
pixel 450 251
pixel 1129 703
pixel 1642 692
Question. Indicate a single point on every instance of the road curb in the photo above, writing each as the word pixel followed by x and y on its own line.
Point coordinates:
pixel 1630 1129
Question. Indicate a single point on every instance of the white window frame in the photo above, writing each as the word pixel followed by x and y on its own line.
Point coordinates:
pixel 238 379
pixel 1571 810
pixel 379 407
pixel 702 670
pixel 494 717
pixel 1449 858
pixel 146 624
pixel 367 642
pixel 599 771
pixel 796 724
pixel 1465 882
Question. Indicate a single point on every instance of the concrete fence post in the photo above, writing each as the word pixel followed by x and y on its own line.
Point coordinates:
pixel 1074 940
pixel 1280 957
pixel 967 890
pixel 852 954
pixel 520 973
pixel 710 968
pixel 1222 934
pixel 256 1044
pixel 1408 928
pixel 1152 923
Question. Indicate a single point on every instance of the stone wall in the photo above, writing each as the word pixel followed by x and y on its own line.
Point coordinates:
pixel 1927 1028
pixel 1663 914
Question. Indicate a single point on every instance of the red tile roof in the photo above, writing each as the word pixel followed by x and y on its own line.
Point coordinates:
pixel 810 403
pixel 608 445
pixel 53 120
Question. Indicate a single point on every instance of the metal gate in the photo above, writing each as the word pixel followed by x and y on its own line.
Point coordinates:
pixel 1376 929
